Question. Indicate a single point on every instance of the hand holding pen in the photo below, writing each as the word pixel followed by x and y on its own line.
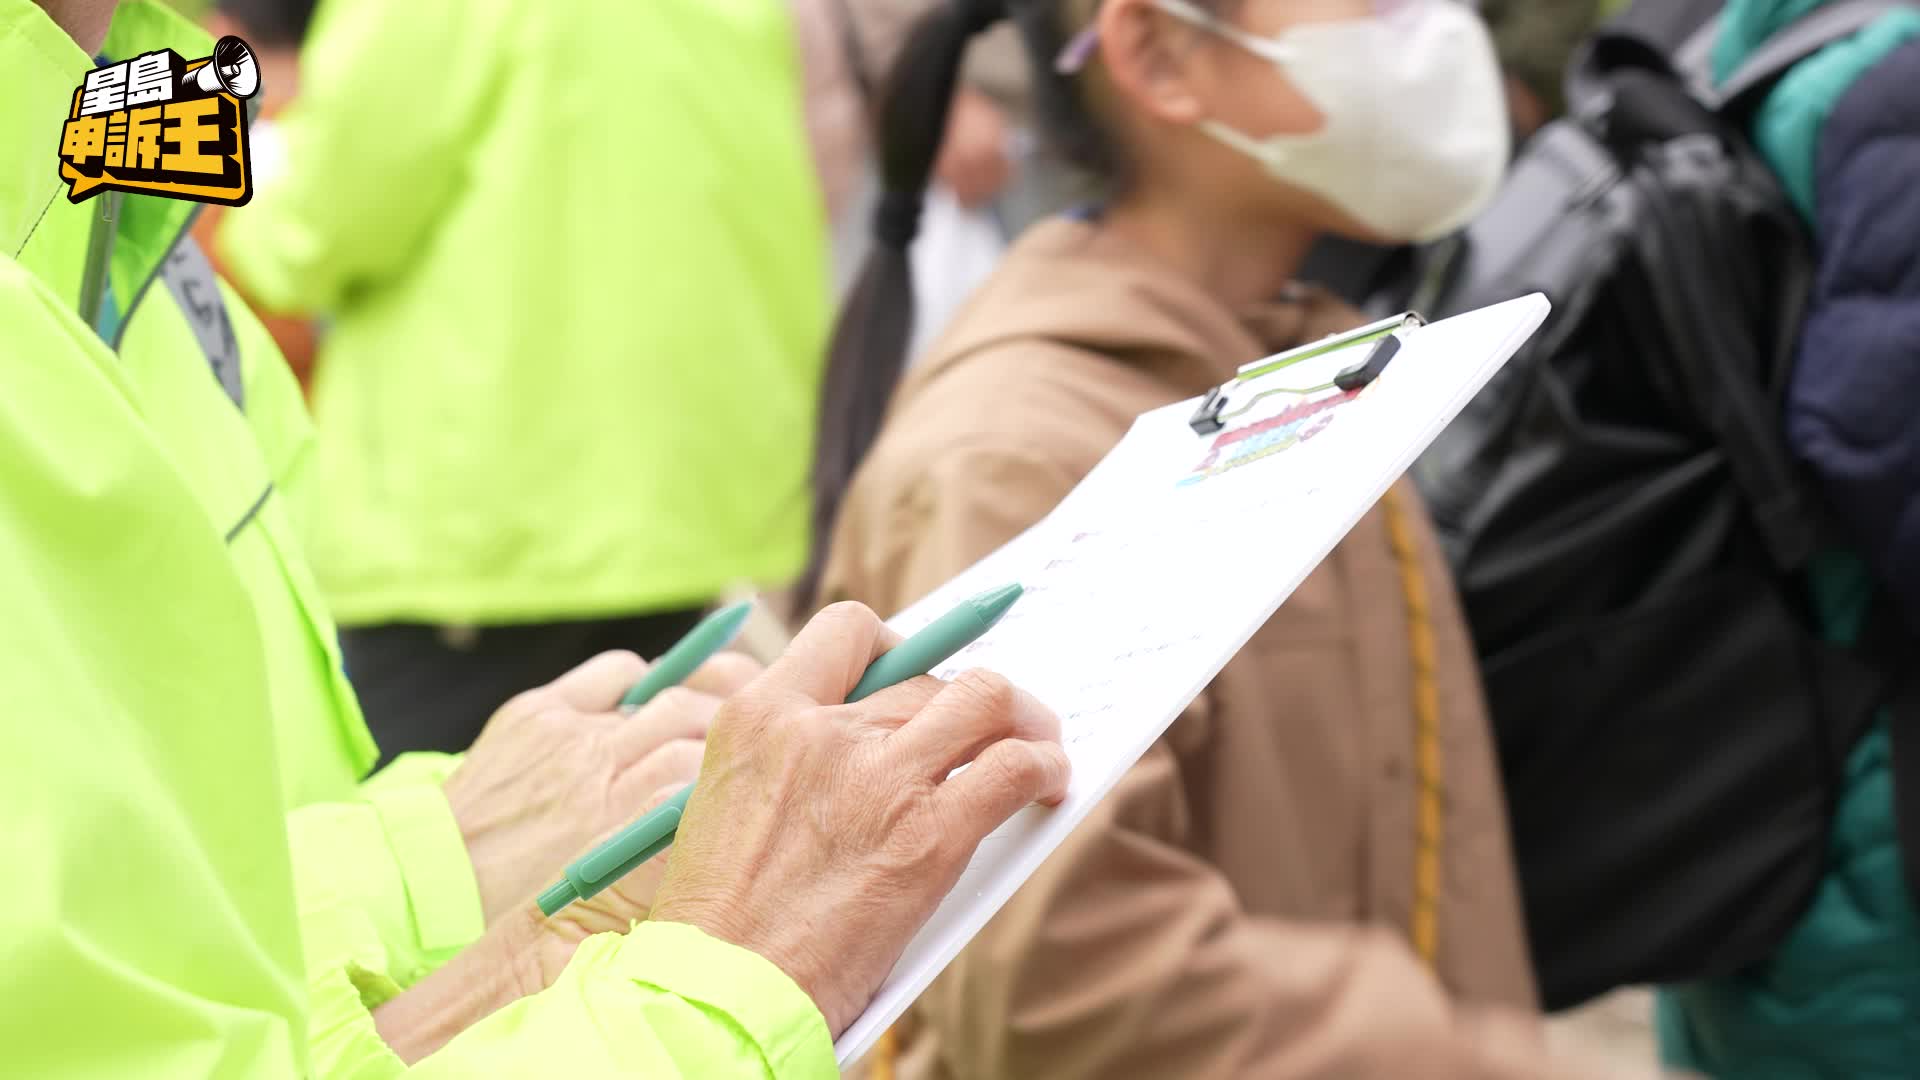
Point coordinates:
pixel 560 766
pixel 822 835
pixel 823 831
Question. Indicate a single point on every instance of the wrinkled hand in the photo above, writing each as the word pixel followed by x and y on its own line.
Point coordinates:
pixel 822 835
pixel 973 160
pixel 559 767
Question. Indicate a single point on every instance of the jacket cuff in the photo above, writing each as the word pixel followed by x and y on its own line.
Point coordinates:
pixel 384 880
pixel 442 896
pixel 342 1042
pixel 766 1005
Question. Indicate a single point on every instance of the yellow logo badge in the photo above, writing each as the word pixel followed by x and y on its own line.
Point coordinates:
pixel 159 125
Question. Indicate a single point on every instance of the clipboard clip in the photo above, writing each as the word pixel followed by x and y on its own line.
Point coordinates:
pixel 1228 400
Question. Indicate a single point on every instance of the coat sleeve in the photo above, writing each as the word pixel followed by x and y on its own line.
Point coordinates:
pixel 391 97
pixel 385 881
pixel 1125 954
pixel 1856 380
pixel 661 1002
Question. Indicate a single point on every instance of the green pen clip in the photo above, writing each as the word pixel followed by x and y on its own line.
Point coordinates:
pixel 615 859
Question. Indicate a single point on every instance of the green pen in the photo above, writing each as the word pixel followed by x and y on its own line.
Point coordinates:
pixel 647 837
pixel 715 632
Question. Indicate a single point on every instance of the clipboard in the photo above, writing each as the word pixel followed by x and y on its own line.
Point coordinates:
pixel 1113 634
pixel 1256 381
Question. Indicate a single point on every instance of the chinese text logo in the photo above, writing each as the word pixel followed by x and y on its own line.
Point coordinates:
pixel 159 125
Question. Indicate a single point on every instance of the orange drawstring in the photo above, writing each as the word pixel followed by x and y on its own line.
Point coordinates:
pixel 1425 930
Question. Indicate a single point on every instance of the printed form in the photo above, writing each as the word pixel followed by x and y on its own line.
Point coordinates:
pixel 1159 566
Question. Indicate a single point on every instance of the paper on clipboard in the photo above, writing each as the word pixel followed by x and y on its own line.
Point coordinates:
pixel 1118 634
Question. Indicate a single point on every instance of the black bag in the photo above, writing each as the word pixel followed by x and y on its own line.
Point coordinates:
pixel 1630 534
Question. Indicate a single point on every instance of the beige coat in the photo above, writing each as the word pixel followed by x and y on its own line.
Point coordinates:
pixel 1242 905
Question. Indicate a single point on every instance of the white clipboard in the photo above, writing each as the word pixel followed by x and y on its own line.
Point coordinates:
pixel 1116 634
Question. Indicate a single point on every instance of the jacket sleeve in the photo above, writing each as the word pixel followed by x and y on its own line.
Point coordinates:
pixel 660 1002
pixel 391 96
pixel 387 876
pixel 1856 380
pixel 1127 954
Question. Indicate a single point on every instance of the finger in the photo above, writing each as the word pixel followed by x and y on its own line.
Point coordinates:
pixel 887 709
pixel 674 713
pixel 724 675
pixel 670 767
pixel 661 794
pixel 1007 777
pixel 969 714
pixel 829 655
pixel 598 684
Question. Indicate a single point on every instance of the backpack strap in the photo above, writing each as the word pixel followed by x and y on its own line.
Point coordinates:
pixel 1645 35
pixel 1824 25
pixel 1693 58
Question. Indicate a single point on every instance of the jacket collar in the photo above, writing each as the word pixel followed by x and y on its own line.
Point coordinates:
pixel 1075 284
pixel 39 68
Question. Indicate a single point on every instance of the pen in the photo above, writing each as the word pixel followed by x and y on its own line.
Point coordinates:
pixel 653 832
pixel 715 632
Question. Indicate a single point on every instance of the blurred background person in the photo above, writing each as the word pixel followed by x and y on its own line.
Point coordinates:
pixel 1310 874
pixel 993 177
pixel 1535 40
pixel 575 266
pixel 1840 994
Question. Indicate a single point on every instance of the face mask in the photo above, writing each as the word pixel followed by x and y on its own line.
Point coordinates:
pixel 1414 139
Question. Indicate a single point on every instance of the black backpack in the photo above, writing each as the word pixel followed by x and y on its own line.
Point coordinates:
pixel 1631 535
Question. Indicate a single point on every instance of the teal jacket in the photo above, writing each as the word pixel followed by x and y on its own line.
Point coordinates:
pixel 1840 996
pixel 573 257
pixel 168 674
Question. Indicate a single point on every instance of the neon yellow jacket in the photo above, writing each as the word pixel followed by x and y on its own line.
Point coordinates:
pixel 129 665
pixel 575 262
pixel 385 862
pixel 148 917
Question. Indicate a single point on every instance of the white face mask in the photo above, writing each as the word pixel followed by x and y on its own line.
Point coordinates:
pixel 1415 137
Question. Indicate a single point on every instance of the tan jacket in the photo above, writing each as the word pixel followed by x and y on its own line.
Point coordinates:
pixel 1241 905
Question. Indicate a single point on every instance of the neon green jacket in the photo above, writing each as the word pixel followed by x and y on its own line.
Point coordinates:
pixel 381 863
pixel 149 914
pixel 575 263
pixel 386 890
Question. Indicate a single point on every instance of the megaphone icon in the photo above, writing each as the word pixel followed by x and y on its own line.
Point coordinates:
pixel 232 69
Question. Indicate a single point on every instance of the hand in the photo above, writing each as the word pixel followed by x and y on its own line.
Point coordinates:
pixel 523 837
pixel 557 768
pixel 823 835
pixel 973 160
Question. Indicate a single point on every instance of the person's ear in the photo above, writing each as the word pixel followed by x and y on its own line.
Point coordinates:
pixel 1150 58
